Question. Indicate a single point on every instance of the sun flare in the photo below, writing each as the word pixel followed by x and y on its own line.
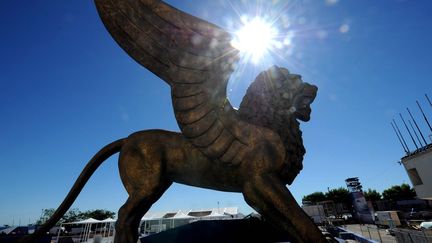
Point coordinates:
pixel 255 38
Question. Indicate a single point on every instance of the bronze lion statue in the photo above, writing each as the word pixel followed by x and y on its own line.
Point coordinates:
pixel 255 150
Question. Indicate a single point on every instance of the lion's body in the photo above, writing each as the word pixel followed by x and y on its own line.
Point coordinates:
pixel 166 157
pixel 150 161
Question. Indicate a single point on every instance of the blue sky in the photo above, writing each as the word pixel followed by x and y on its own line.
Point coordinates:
pixel 67 89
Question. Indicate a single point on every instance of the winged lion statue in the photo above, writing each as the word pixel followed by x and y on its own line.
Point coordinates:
pixel 256 150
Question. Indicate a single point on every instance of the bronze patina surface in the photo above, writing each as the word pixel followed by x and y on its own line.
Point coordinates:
pixel 255 150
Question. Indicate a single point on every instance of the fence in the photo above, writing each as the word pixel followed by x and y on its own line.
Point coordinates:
pixel 372 232
pixel 413 236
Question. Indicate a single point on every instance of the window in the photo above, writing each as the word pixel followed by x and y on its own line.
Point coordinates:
pixel 415 177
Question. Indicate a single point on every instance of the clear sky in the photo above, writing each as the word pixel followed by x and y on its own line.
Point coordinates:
pixel 67 89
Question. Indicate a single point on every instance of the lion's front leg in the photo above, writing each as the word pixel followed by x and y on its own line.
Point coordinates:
pixel 270 197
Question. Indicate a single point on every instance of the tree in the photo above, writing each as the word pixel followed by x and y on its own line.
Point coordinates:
pixel 402 192
pixel 372 195
pixel 314 197
pixel 75 214
pixel 99 214
pixel 339 195
pixel 46 214
pixel 72 215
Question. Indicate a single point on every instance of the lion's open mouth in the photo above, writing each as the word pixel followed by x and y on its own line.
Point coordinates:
pixel 303 114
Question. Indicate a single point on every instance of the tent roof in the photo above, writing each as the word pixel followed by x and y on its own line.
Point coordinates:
pixel 108 220
pixel 8 230
pixel 181 215
pixel 86 221
pixel 154 215
pixel 215 214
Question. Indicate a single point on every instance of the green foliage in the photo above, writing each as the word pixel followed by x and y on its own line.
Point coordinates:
pixel 339 195
pixel 72 215
pixel 314 197
pixel 99 214
pixel 402 192
pixel 342 195
pixel 372 195
pixel 46 214
pixel 75 214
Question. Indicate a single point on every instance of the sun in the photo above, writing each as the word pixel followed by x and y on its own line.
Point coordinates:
pixel 255 38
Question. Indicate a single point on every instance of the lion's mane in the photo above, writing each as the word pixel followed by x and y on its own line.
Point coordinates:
pixel 268 103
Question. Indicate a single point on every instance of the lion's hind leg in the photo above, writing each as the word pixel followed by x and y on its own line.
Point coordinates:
pixel 270 197
pixel 142 175
pixel 130 215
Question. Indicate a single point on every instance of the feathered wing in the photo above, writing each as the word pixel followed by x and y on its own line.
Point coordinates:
pixel 196 59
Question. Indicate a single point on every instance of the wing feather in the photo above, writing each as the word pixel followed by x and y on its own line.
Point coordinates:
pixel 196 59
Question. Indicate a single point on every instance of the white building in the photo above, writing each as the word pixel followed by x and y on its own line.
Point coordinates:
pixel 419 168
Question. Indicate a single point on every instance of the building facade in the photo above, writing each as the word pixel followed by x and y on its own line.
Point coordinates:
pixel 418 166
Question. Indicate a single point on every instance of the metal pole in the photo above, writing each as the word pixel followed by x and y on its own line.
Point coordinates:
pixel 415 144
pixel 379 235
pixel 104 229
pixel 415 133
pixel 425 236
pixel 424 116
pixel 58 234
pixel 114 230
pixel 428 100
pixel 81 233
pixel 397 127
pixel 418 129
pixel 145 227
pixel 394 129
pixel 88 231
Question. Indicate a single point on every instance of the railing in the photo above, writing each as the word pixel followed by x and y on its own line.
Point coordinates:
pixel 369 233
pixel 413 236
pixel 372 232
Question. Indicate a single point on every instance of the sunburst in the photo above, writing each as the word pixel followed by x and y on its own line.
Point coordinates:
pixel 255 38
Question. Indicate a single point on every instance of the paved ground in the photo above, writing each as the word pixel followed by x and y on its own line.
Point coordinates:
pixel 372 232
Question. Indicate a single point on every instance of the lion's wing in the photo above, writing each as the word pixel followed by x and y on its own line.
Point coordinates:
pixel 196 59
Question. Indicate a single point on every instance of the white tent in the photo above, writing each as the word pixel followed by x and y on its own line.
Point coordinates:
pixel 107 226
pixel 108 220
pixel 87 223
pixel 181 215
pixel 216 215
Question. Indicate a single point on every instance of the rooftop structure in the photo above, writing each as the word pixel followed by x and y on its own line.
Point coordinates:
pixel 418 161
pixel 419 169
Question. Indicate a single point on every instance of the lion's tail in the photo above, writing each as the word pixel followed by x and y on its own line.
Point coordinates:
pixel 85 175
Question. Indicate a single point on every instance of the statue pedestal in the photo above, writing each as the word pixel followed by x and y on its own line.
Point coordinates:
pixel 209 231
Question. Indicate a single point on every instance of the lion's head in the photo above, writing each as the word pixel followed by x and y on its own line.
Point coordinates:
pixel 275 100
